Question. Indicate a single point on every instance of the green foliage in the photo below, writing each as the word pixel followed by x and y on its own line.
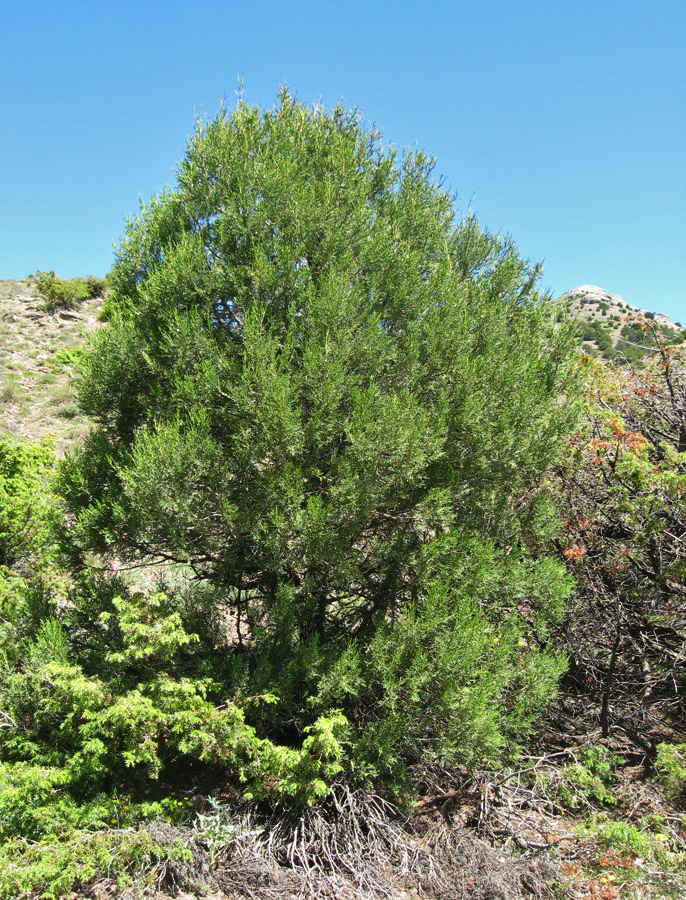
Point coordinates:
pixel 60 293
pixel 598 333
pixel 53 842
pixel 589 781
pixel 625 341
pixel 24 498
pixel 633 344
pixel 624 837
pixel 51 869
pixel 68 356
pixel 671 767
pixel 67 411
pixel 651 842
pixel 325 395
pixel 141 713
pixel 442 685
pixel 330 406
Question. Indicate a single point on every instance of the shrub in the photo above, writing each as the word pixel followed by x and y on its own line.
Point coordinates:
pixel 80 859
pixel 60 293
pixel 671 767
pixel 621 489
pixel 67 410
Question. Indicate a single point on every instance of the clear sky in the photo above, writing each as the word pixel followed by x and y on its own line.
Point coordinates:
pixel 562 122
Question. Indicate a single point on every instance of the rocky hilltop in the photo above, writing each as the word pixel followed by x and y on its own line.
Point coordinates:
pixel 611 327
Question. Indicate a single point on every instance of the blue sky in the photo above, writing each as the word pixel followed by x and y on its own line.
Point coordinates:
pixel 561 122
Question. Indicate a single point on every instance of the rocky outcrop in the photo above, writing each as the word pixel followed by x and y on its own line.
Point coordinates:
pixel 591 296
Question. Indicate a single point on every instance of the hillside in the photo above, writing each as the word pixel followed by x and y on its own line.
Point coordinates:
pixel 38 349
pixel 611 328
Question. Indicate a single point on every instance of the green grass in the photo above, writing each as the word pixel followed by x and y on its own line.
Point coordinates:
pixel 11 389
pixel 67 411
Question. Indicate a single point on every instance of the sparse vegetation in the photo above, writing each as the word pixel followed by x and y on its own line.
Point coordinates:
pixel 613 331
pixel 38 354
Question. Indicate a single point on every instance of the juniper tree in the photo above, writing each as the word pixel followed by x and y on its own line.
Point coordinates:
pixel 333 400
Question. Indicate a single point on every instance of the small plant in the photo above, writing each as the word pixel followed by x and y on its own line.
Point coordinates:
pixel 68 356
pixel 589 782
pixel 11 388
pixel 671 768
pixel 67 411
pixel 649 842
pixel 217 831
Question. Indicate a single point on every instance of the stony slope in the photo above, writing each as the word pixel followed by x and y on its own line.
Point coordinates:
pixel 37 354
pixel 611 327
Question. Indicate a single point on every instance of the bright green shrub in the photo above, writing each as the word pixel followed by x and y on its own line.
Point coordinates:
pixel 28 547
pixel 91 729
pixel 24 500
pixel 671 767
pixel 68 356
pixel 52 870
pixel 60 293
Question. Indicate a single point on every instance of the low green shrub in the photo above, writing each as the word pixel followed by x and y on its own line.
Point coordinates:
pixel 590 780
pixel 25 535
pixel 671 768
pixel 53 869
pixel 141 713
pixel 69 356
pixel 60 293
pixel 651 841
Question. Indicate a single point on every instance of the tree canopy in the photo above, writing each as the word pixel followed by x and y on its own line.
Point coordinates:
pixel 333 400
